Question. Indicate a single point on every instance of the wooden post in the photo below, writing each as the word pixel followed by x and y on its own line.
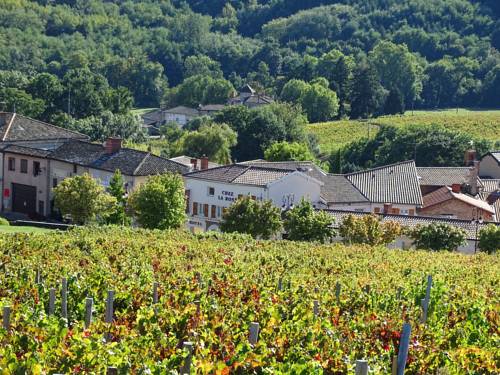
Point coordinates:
pixel 186 368
pixel 112 371
pixel 52 301
pixel 316 307
pixel 337 292
pixel 89 302
pixel 155 292
pixel 394 370
pixel 426 300
pixel 6 318
pixel 254 333
pixel 64 298
pixel 403 348
pixel 361 367
pixel 109 306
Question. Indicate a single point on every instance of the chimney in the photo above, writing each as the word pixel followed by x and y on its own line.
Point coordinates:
pixel 456 188
pixel 470 158
pixel 194 163
pixel 113 145
pixel 474 173
pixel 203 163
pixel 387 208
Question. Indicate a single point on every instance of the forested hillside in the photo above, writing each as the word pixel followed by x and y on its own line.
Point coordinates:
pixel 77 63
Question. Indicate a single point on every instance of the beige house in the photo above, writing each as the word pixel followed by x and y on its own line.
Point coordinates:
pixel 489 165
pixel 30 174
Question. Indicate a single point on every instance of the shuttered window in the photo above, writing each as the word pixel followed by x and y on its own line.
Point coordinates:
pixel 205 210
pixel 195 208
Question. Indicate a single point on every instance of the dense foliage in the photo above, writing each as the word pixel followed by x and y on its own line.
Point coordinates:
pixel 489 239
pixel 368 229
pixel 259 219
pixel 438 236
pixel 237 284
pixel 160 202
pixel 304 223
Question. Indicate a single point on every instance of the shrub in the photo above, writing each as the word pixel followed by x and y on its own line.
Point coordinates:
pixel 438 236
pixel 368 229
pixel 489 238
pixel 303 223
pixel 258 219
pixel 4 221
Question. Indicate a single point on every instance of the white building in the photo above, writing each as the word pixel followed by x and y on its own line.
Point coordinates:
pixel 489 165
pixel 209 192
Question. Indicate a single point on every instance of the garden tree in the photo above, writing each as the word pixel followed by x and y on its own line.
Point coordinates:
pixel 304 223
pixel 428 145
pixel 160 202
pixel 213 141
pixel 260 127
pixel 171 131
pixel 319 103
pixel 394 104
pixel 117 190
pixel 19 101
pixel 107 124
pixel 438 236
pixel 259 219
pixel 202 65
pixel 288 151
pixel 83 199
pixel 489 239
pixel 367 93
pixel 398 69
pixel 199 89
pixel 368 229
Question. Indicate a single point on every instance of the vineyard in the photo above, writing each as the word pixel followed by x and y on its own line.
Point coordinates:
pixel 481 124
pixel 319 307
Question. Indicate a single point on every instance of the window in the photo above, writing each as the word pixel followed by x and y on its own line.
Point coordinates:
pixel 377 210
pixel 211 191
pixel 54 182
pixel 36 168
pixel 395 211
pixel 412 212
pixel 12 164
pixel 205 210
pixel 188 204
pixel 219 211
pixel 195 208
pixel 213 211
pixel 24 166
pixel 75 170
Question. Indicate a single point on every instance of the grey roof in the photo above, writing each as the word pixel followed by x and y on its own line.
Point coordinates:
pixel 182 110
pixel 130 162
pixel 28 151
pixel 338 189
pixel 152 117
pixel 395 183
pixel 241 174
pixel 247 89
pixel 186 160
pixel 15 128
pixel 413 221
pixel 212 107
pixel 307 167
pixel 444 176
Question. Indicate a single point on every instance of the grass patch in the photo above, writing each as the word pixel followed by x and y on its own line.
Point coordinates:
pixel 141 111
pixel 22 229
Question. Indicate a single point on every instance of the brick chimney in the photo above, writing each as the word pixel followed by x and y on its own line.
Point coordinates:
pixel 194 163
pixel 203 163
pixel 113 145
pixel 470 158
pixel 456 188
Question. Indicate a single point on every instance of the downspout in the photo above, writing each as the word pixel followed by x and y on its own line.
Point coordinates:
pixel 48 189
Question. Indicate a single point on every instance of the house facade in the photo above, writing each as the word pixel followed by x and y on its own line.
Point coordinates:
pixel 210 192
pixel 489 165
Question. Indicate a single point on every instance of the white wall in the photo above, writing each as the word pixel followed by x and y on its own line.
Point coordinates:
pixel 488 167
pixel 297 185
pixel 404 209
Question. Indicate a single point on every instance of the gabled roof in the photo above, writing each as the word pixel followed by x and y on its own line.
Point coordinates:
pixel 413 221
pixel 130 162
pixel 395 183
pixel 306 167
pixel 241 174
pixel 247 89
pixel 338 189
pixel 212 107
pixel 494 154
pixel 445 194
pixel 186 160
pixel 182 110
pixel 15 128
pixel 444 176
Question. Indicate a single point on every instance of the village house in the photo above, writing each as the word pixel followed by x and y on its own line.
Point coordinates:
pixel 248 97
pixel 489 165
pixel 30 174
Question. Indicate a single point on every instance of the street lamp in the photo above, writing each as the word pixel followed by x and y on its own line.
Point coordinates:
pixel 478 222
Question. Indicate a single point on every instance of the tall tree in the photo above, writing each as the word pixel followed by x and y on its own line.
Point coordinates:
pixel 367 93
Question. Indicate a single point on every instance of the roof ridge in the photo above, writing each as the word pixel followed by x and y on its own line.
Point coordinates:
pixel 141 163
pixel 9 126
pixel 382 167
pixel 239 174
pixel 53 126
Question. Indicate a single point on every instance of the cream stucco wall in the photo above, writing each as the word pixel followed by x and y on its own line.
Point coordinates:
pixel 489 167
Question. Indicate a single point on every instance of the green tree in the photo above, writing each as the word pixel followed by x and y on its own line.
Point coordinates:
pixel 200 89
pixel 160 202
pixel 293 90
pixel 213 141
pixel 21 102
pixel 368 229
pixel 117 190
pixel 320 103
pixel 394 104
pixel 398 69
pixel 258 219
pixel 83 199
pixel 304 223
pixel 366 93
pixel 201 65
pixel 438 236
pixel 287 151
pixel 489 239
